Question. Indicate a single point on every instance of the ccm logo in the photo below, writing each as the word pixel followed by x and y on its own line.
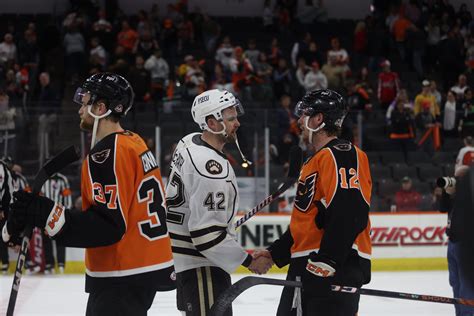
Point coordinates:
pixel 58 211
pixel 317 270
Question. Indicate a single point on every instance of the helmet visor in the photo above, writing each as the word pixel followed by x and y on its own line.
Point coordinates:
pixel 232 112
pixel 82 97
pixel 239 108
pixel 302 109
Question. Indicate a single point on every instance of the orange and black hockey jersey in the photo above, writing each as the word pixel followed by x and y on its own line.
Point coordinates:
pixel 123 218
pixel 331 209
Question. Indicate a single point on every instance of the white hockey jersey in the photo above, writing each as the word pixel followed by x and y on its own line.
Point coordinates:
pixel 202 200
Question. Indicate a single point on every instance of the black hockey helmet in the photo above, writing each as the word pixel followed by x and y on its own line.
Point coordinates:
pixel 114 89
pixel 327 102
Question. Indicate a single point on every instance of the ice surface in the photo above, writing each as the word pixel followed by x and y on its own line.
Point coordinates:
pixel 64 295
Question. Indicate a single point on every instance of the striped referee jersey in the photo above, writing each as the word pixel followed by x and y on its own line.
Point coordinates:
pixel 20 182
pixel 6 186
pixel 57 189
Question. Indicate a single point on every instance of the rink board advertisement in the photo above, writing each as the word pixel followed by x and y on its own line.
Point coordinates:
pixel 415 235
pixel 415 241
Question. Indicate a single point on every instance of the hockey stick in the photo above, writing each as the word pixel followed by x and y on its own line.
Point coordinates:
pixel 58 162
pixel 296 159
pixel 403 296
pixel 224 301
pixel 226 298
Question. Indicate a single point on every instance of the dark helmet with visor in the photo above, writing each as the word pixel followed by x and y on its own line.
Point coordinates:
pixel 327 102
pixel 113 89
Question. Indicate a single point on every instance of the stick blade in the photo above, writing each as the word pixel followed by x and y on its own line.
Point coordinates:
pixel 296 160
pixel 225 299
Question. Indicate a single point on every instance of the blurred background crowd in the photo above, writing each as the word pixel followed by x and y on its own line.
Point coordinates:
pixel 406 70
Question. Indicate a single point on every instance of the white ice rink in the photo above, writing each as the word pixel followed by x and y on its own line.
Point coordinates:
pixel 64 295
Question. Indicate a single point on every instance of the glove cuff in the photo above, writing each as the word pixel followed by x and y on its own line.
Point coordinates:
pixel 5 235
pixel 320 269
pixel 56 220
pixel 248 260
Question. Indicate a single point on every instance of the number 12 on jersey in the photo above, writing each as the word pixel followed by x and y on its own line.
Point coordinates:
pixel 352 182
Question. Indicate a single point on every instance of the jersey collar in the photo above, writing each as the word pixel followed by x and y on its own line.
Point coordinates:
pixel 200 142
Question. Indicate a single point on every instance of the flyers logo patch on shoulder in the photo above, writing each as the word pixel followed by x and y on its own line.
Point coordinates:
pixel 213 167
pixel 305 192
pixel 100 156
pixel 343 147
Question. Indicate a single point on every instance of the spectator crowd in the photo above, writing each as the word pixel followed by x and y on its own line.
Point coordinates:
pixel 412 60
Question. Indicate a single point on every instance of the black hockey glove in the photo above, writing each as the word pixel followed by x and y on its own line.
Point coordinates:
pixel 318 275
pixel 37 211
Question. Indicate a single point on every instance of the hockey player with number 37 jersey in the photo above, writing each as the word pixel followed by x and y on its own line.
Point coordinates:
pixel 202 200
pixel 122 223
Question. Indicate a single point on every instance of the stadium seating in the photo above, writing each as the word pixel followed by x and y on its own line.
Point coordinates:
pixel 379 171
pixel 392 157
pixel 417 157
pixel 429 172
pixel 401 170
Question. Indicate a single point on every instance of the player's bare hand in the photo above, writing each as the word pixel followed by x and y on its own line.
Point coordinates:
pixel 261 265
pixel 261 253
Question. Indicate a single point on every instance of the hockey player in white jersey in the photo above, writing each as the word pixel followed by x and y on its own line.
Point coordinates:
pixel 202 200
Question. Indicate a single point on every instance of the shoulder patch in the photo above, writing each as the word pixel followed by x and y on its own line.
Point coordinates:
pixel 343 147
pixel 305 192
pixel 148 161
pixel 100 156
pixel 213 167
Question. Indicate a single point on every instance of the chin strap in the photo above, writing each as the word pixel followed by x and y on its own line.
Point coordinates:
pixel 312 130
pixel 96 122
pixel 245 163
pixel 222 132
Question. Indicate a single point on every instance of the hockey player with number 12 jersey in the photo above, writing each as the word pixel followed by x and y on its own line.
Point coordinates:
pixel 328 238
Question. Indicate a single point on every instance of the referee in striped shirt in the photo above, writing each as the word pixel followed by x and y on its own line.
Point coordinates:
pixel 57 189
pixel 6 189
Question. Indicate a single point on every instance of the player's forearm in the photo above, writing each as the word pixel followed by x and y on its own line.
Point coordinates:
pixel 346 222
pixel 280 249
pixel 93 228
pixel 228 254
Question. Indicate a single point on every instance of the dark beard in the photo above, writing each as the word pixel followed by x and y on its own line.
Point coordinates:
pixel 229 139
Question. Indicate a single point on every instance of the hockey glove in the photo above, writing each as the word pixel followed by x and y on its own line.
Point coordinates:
pixel 318 275
pixel 320 265
pixel 38 211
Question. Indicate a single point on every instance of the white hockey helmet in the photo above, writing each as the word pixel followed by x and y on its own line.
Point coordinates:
pixel 213 102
